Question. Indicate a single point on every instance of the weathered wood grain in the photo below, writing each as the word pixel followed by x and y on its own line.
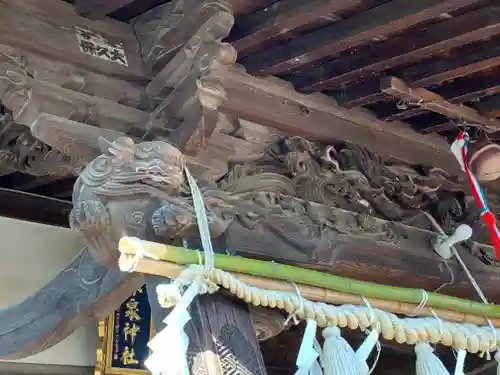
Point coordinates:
pixel 78 79
pixel 439 128
pixel 318 118
pixel 281 17
pixel 389 18
pixel 27 97
pixel 468 89
pixel 433 102
pixel 464 61
pixel 489 106
pixel 190 111
pixel 165 29
pixel 82 292
pixel 436 39
pixel 222 338
pixel 47 28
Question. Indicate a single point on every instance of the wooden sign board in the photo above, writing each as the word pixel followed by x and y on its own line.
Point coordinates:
pixel 96 45
pixel 124 337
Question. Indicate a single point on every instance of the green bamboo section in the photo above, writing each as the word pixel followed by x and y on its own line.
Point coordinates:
pixel 299 275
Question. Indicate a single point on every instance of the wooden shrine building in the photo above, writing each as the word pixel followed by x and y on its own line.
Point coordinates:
pixel 319 133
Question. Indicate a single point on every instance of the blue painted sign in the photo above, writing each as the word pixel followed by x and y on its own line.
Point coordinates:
pixel 128 330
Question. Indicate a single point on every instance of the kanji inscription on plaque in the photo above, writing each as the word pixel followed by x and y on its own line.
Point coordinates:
pixel 96 45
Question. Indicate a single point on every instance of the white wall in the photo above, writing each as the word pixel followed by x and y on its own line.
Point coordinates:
pixel 31 255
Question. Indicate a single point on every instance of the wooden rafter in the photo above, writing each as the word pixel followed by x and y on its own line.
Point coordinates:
pixel 97 9
pixel 389 18
pixel 439 128
pixel 490 106
pixel 468 60
pixel 398 89
pixel 460 91
pixel 440 37
pixel 268 23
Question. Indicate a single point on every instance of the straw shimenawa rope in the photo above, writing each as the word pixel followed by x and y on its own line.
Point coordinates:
pixel 403 330
pixel 465 336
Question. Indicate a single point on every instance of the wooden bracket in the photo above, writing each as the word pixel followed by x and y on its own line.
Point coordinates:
pixel 397 88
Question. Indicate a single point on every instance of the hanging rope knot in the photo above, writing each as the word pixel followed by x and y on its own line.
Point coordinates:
pixel 136 244
pixel 330 331
pixel 423 348
pixel 293 316
pixel 169 295
pixel 208 287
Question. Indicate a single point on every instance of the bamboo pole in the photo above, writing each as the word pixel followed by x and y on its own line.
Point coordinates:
pixel 317 285
pixel 312 293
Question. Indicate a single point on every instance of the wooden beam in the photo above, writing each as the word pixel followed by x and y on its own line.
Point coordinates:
pixel 98 9
pixel 460 91
pixel 29 97
pixel 49 28
pixel 438 128
pixel 36 208
pixel 389 18
pixel 281 17
pixel 75 78
pixel 189 112
pixel 276 105
pixel 63 305
pixel 437 38
pixel 489 106
pixel 221 333
pixel 464 61
pixel 435 103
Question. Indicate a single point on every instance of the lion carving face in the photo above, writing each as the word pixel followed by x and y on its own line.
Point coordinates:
pixel 118 192
pixel 127 168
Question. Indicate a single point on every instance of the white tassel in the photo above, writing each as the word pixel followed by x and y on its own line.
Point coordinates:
pixel 459 366
pixel 497 358
pixel 307 359
pixel 427 362
pixel 338 356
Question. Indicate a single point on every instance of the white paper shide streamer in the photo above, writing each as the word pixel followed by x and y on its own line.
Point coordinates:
pixel 169 347
pixel 307 359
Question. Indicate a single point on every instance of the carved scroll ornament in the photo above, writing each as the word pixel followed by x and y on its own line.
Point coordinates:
pixel 140 190
pixel 20 151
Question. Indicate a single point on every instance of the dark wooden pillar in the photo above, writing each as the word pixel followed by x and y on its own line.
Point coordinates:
pixel 221 333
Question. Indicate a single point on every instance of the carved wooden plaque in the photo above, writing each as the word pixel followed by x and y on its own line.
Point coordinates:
pixel 124 337
pixel 96 45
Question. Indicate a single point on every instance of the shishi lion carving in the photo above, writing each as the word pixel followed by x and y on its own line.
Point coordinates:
pixel 140 190
pixel 135 190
